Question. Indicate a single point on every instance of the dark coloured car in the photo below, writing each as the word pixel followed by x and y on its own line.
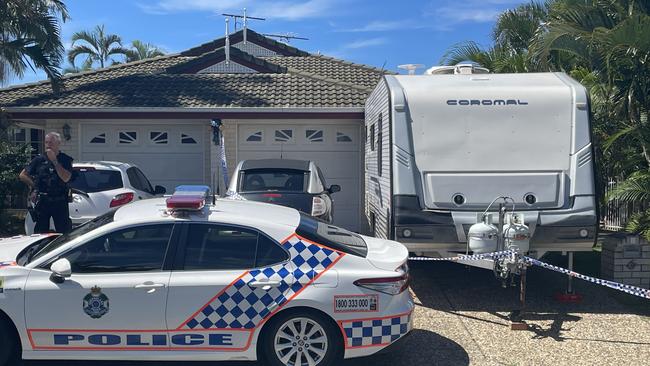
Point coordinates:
pixel 294 183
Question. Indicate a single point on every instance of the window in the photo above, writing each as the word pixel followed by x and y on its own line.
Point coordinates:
pixel 342 137
pixel 284 136
pixel 99 139
pixel 187 139
pixel 268 252
pixel 256 136
pixel 36 138
pixel 84 228
pixel 138 180
pixel 255 180
pixel 372 137
pixel 90 180
pixel 380 152
pixel 222 247
pixel 136 249
pixel 158 138
pixel 331 236
pixel 19 135
pixel 127 137
pixel 314 135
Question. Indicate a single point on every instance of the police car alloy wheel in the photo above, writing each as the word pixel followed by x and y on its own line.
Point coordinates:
pixel 302 340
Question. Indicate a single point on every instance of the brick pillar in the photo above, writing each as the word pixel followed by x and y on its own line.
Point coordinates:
pixel 626 259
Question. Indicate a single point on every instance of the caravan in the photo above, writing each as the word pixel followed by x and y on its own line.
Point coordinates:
pixel 440 147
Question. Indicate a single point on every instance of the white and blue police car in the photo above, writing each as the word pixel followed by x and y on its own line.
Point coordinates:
pixel 180 278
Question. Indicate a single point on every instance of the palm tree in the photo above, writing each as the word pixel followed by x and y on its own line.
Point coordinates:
pixel 30 37
pixel 98 47
pixel 512 33
pixel 140 51
pixel 611 39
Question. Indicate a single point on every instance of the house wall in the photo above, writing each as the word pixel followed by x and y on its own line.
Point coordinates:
pixel 212 169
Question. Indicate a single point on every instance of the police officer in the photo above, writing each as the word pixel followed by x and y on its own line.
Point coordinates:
pixel 47 175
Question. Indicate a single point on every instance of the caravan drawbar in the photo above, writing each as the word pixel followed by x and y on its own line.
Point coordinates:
pixel 440 148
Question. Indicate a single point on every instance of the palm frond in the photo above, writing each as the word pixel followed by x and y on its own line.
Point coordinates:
pixel 635 188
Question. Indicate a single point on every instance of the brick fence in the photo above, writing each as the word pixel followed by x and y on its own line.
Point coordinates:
pixel 626 259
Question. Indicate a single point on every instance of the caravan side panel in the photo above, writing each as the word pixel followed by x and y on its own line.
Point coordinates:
pixel 377 167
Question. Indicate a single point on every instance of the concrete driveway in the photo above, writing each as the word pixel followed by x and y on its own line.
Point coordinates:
pixel 461 319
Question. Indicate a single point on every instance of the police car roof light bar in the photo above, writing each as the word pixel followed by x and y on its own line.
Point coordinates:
pixel 192 190
pixel 185 202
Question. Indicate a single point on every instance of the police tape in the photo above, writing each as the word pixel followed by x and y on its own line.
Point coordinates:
pixel 632 290
pixel 467 257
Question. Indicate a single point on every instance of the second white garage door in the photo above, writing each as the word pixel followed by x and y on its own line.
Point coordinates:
pixel 169 154
pixel 334 148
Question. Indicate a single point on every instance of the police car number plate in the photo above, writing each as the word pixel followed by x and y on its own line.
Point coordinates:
pixel 356 303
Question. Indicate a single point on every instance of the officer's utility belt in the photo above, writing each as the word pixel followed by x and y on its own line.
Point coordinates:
pixel 44 196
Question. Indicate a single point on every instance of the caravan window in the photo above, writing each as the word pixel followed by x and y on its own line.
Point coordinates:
pixel 379 155
pixel 372 137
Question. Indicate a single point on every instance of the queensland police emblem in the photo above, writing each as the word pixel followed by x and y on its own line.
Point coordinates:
pixel 95 303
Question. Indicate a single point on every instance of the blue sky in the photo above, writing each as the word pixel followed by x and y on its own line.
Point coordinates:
pixel 376 33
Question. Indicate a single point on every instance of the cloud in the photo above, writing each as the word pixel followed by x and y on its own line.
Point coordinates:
pixel 469 15
pixel 473 11
pixel 377 26
pixel 364 43
pixel 285 10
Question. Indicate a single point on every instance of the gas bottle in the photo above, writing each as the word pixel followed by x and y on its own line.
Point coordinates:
pixel 483 236
pixel 516 234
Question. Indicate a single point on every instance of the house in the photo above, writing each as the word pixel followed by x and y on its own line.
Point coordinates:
pixel 274 101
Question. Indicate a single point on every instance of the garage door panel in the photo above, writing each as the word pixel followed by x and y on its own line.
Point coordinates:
pixel 348 219
pixel 334 148
pixel 169 155
pixel 349 194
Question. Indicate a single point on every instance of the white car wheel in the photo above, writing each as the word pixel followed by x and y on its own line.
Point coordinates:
pixel 302 340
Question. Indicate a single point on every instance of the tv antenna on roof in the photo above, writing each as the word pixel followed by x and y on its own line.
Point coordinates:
pixel 286 36
pixel 245 19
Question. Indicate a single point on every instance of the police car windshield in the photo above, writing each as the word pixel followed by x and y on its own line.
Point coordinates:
pixel 332 236
pixel 91 225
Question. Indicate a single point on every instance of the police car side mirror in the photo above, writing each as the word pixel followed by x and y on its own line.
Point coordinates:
pixel 61 270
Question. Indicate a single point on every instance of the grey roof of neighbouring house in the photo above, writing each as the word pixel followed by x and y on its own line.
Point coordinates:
pixel 294 78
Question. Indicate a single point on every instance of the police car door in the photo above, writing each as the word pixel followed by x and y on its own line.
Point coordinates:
pixel 114 300
pixel 226 280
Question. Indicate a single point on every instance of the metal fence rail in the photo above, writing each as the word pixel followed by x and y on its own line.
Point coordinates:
pixel 616 213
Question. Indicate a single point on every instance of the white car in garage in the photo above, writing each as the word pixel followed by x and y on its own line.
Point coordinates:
pixel 184 279
pixel 100 186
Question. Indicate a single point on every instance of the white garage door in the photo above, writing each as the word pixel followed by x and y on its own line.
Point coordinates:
pixel 169 155
pixel 334 148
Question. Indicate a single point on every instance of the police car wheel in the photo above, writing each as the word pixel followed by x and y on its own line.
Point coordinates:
pixel 8 345
pixel 302 340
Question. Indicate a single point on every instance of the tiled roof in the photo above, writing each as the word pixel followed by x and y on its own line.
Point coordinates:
pixel 294 80
pixel 331 68
pixel 199 90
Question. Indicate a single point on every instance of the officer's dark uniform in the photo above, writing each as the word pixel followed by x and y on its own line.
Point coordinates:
pixel 52 193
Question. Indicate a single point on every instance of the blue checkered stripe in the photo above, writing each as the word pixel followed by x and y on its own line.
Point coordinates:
pixel 375 332
pixel 243 306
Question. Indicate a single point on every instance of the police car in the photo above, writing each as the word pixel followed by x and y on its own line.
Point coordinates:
pixel 192 278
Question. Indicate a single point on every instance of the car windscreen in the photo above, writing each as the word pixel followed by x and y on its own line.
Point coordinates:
pixel 260 180
pixel 88 226
pixel 96 180
pixel 332 236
